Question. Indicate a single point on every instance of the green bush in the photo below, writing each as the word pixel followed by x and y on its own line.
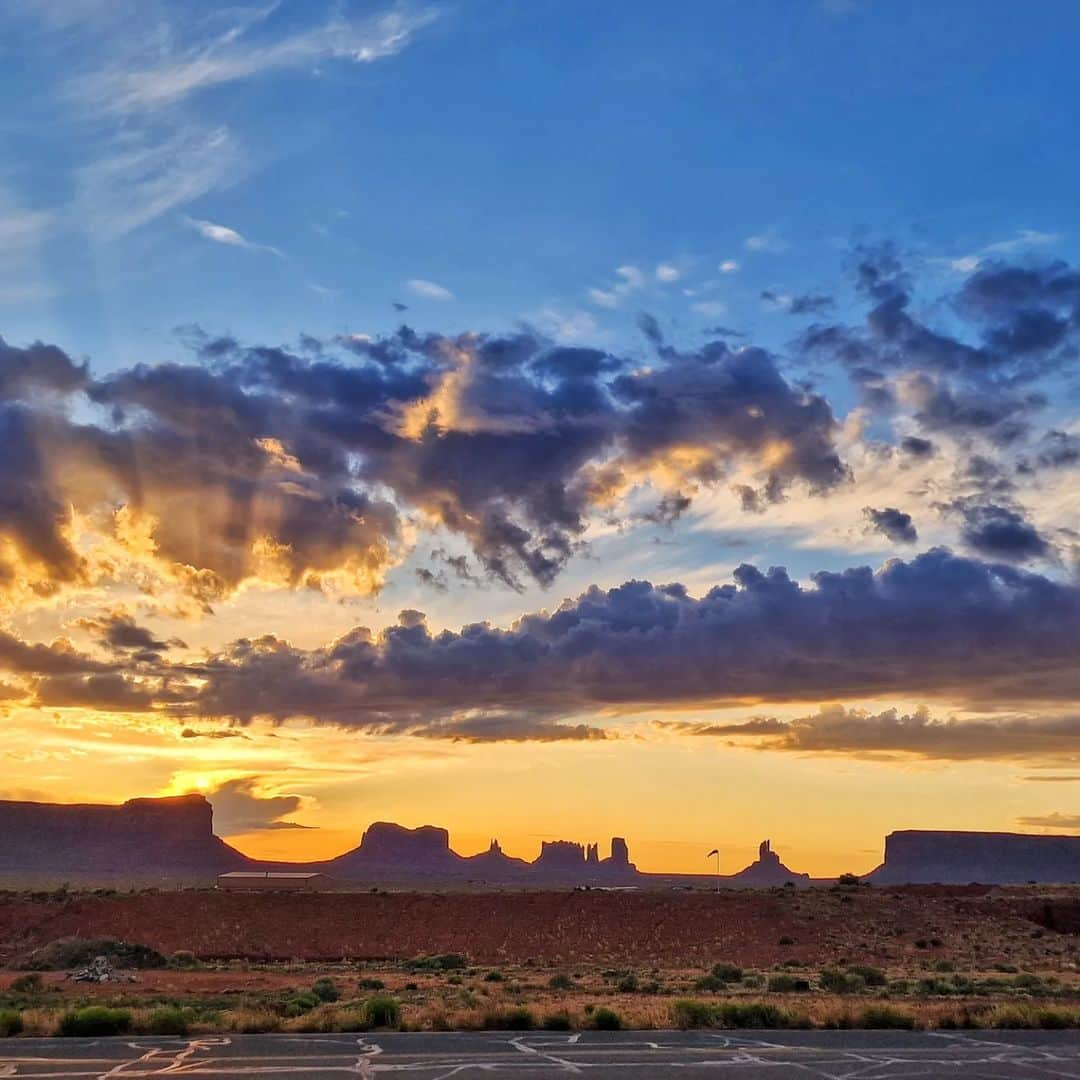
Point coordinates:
pixel 382 1012
pixel 606 1020
pixel 871 976
pixel 371 984
pixel 439 962
pixel 788 984
pixel 494 976
pixel 77 952
pixel 95 1020
pixel 628 984
pixel 299 1003
pixel 885 1017
pixel 519 1019
pixel 726 972
pixel 754 1014
pixel 692 1014
pixel 28 984
pixel 841 982
pixel 325 989
pixel 183 960
pixel 561 981
pixel 557 1022
pixel 168 1020
pixel 10 1023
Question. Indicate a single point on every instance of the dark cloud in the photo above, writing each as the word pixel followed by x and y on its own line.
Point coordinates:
pixel 219 733
pixel 111 692
pixel 917 447
pixel 835 729
pixel 1070 822
pixel 803 304
pixel 893 523
pixel 239 809
pixel 120 633
pixel 939 625
pixel 1001 532
pixel 59 658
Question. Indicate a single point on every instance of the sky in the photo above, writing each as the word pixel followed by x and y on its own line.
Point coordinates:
pixel 544 420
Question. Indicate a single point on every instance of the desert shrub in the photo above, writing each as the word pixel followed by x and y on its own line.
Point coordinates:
pixel 183 960
pixel 254 1021
pixel 95 1020
pixel 561 981
pixel 28 984
pixel 439 962
pixel 754 1014
pixel 325 989
pixel 1006 969
pixel 350 1020
pixel 785 940
pixel 77 952
pixel 412 986
pixel 1027 981
pixel 382 1012
pixel 557 1022
pixel 168 1020
pixel 519 1019
pixel 11 1023
pixel 847 881
pixel 886 1017
pixel 788 984
pixel 871 976
pixel 710 983
pixel 606 1020
pixel 299 1003
pixel 370 984
pixel 651 987
pixel 840 982
pixel 628 984
pixel 726 972
pixel 692 1014
pixel 494 976
pixel 944 966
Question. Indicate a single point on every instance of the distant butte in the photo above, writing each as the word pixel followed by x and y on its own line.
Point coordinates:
pixel 174 838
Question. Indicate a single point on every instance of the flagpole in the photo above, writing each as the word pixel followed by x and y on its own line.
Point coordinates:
pixel 716 852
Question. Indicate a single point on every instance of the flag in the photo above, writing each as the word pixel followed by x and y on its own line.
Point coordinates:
pixel 715 851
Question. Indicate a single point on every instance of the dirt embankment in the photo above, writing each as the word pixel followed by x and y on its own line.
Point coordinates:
pixel 753 928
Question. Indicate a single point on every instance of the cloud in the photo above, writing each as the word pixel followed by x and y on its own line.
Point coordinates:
pixel 428 290
pixel 147 175
pixel 238 54
pixel 768 242
pixel 802 304
pixel 665 272
pixel 222 234
pixel 1064 822
pixel 834 729
pixel 728 266
pixel 942 625
pixel 892 523
pixel 1001 532
pixel 239 808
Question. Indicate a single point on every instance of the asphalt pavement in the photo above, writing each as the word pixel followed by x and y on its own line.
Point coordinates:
pixel 532 1056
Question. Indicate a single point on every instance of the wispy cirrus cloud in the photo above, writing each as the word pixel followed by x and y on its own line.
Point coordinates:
pixel 428 290
pixel 233 56
pixel 222 234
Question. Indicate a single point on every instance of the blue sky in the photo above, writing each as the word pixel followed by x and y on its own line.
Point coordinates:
pixel 515 154
pixel 386 386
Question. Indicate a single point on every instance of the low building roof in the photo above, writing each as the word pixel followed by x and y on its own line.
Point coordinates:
pixel 262 875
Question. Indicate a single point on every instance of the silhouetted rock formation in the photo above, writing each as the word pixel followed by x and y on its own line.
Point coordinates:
pixel 767 871
pixel 141 837
pixel 392 849
pixel 495 865
pixel 925 857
